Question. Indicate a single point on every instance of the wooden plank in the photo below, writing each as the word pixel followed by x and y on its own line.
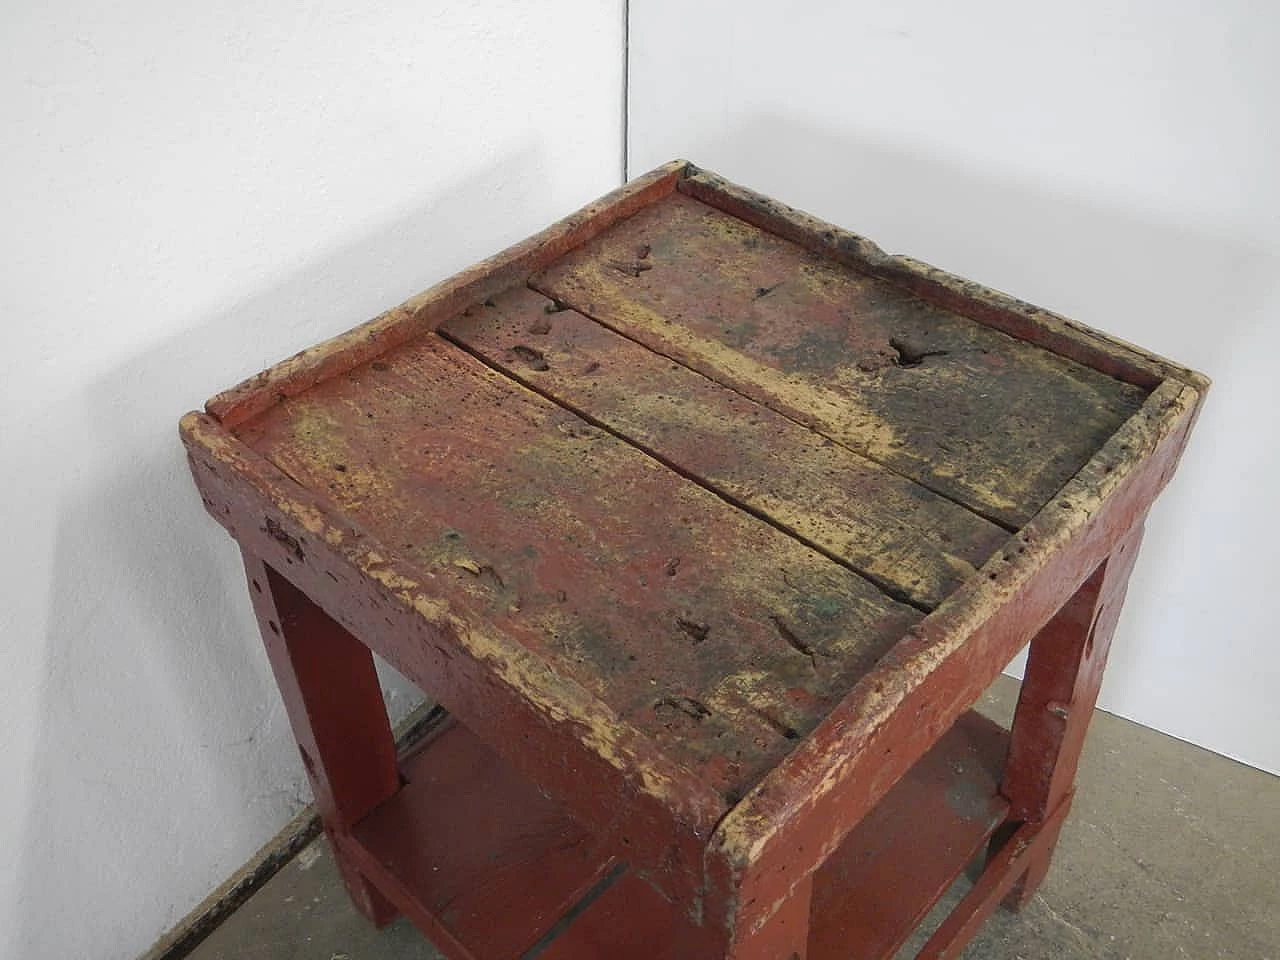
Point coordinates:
pixel 998 878
pixel 715 635
pixel 478 858
pixel 424 311
pixel 632 921
pixel 988 420
pixel 916 545
pixel 900 860
pixel 800 813
pixel 1065 337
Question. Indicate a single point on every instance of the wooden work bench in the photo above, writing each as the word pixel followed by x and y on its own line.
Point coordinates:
pixel 707 522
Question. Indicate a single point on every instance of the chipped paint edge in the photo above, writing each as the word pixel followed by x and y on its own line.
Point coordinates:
pixel 1050 331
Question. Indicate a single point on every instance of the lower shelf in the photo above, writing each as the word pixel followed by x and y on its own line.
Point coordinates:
pixel 899 861
pixel 871 894
pixel 476 857
pixel 488 867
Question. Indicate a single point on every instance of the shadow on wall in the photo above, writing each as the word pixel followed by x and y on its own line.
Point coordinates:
pixel 164 757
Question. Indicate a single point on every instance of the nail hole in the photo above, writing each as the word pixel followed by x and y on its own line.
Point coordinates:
pixel 910 355
pixel 695 630
pixel 533 358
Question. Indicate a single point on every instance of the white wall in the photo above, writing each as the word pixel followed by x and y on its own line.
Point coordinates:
pixel 1116 162
pixel 187 193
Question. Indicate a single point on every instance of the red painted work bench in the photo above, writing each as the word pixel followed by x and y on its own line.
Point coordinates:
pixel 707 522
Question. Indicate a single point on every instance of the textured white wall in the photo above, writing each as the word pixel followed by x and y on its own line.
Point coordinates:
pixel 187 193
pixel 1116 162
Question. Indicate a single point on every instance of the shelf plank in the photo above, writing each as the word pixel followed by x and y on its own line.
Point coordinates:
pixel 631 921
pixel 899 861
pixel 475 856
pixel 871 894
pixel 993 422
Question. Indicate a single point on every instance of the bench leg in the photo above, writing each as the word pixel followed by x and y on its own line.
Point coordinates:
pixel 1059 692
pixel 334 701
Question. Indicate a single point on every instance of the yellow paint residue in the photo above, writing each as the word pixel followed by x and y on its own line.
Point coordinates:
pixel 845 417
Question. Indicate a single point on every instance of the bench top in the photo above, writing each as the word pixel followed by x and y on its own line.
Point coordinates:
pixel 708 461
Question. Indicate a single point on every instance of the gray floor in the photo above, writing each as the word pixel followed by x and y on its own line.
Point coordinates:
pixel 1170 852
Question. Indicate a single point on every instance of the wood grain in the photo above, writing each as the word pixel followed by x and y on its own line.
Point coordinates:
pixel 1061 335
pixel 722 639
pixel 916 545
pixel 988 420
pixel 822 789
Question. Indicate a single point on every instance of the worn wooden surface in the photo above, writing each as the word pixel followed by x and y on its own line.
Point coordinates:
pixel 710 519
pixel 800 813
pixel 1060 335
pixel 988 420
pixel 916 545
pixel 546 726
pixel 716 635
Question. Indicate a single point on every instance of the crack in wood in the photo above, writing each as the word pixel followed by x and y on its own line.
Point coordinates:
pixel 794 642
pixel 910 355
pixel 695 630
pixel 632 268
pixel 686 705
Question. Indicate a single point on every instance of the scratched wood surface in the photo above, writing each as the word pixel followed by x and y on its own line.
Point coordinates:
pixel 993 422
pixel 722 638
pixel 916 545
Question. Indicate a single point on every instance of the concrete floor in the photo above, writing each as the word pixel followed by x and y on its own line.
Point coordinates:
pixel 1170 852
